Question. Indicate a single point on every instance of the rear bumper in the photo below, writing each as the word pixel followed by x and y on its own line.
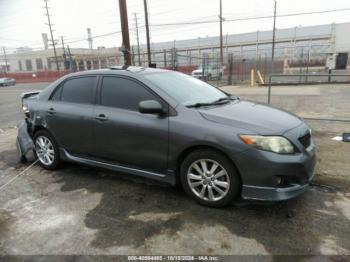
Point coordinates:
pixel 24 143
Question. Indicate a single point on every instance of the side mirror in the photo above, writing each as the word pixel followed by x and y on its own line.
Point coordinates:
pixel 151 107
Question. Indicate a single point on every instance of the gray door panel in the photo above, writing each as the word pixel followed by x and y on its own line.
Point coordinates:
pixel 72 125
pixel 131 138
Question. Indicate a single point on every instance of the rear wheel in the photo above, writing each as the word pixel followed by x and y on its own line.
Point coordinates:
pixel 210 178
pixel 46 150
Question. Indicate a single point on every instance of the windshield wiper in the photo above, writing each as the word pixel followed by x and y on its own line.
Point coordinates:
pixel 220 101
pixel 200 105
pixel 225 99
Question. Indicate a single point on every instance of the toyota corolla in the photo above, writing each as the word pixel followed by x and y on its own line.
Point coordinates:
pixel 171 127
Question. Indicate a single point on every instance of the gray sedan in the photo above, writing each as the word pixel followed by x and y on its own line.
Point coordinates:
pixel 6 81
pixel 173 128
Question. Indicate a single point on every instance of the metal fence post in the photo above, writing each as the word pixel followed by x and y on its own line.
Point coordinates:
pixel 230 68
pixel 269 90
pixel 329 75
pixel 164 52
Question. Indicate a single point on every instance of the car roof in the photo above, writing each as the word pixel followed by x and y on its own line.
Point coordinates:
pixel 131 71
pixel 120 70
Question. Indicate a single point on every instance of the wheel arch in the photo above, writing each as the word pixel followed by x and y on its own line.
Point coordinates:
pixel 37 128
pixel 185 152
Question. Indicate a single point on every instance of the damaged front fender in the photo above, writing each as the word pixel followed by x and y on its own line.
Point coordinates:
pixel 24 143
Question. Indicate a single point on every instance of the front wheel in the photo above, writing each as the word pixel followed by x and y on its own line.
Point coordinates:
pixel 210 178
pixel 46 150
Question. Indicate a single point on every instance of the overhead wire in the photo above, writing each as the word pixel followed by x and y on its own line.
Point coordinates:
pixel 192 22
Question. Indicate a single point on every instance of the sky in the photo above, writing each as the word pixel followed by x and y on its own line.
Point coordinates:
pixel 23 21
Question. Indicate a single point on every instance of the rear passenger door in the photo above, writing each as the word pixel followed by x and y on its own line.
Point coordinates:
pixel 70 114
pixel 125 136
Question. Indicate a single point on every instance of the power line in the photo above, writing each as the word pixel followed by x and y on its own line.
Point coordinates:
pixel 252 18
pixel 93 37
pixel 209 22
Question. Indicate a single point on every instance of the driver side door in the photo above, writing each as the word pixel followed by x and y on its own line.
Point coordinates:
pixel 122 134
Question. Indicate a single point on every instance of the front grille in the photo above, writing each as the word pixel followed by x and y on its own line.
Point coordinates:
pixel 305 140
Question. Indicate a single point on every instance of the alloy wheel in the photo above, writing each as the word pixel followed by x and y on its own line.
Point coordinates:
pixel 208 180
pixel 44 150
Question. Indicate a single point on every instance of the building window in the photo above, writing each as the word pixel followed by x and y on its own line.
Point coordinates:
pixel 39 63
pixel 20 65
pixel 29 66
pixel 49 63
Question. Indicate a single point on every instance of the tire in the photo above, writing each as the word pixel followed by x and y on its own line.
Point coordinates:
pixel 224 178
pixel 50 149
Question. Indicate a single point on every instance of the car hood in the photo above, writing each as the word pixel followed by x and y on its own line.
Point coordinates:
pixel 254 117
pixel 197 71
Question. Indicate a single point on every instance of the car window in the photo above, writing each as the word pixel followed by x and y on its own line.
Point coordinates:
pixel 185 89
pixel 123 93
pixel 56 96
pixel 79 90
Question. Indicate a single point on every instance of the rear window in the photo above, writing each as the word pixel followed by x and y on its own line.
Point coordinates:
pixel 77 90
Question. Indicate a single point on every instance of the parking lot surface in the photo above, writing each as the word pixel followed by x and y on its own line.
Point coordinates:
pixel 83 210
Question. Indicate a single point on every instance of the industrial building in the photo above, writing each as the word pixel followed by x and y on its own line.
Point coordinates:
pixel 322 46
pixel 27 60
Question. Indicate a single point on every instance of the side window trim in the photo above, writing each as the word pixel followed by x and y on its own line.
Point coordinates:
pixel 58 88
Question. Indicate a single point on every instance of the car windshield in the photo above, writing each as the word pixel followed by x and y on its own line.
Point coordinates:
pixel 185 89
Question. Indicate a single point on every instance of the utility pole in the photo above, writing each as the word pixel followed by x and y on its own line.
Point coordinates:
pixel 64 52
pixel 5 57
pixel 52 40
pixel 70 59
pixel 125 31
pixel 147 33
pixel 273 38
pixel 221 40
pixel 138 40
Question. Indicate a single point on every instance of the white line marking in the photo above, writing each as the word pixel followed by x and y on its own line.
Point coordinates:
pixel 21 173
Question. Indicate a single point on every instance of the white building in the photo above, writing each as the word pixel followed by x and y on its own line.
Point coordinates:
pixel 324 45
pixel 44 60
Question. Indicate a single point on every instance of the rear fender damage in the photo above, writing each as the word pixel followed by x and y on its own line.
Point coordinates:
pixel 24 143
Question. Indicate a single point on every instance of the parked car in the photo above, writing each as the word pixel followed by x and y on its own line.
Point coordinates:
pixel 209 72
pixel 170 127
pixel 6 81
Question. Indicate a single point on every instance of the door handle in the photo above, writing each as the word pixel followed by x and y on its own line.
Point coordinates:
pixel 51 111
pixel 101 117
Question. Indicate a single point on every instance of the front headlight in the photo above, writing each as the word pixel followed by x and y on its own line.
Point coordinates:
pixel 276 144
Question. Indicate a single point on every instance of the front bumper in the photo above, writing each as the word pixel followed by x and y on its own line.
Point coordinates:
pixel 269 176
pixel 261 175
pixel 273 193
